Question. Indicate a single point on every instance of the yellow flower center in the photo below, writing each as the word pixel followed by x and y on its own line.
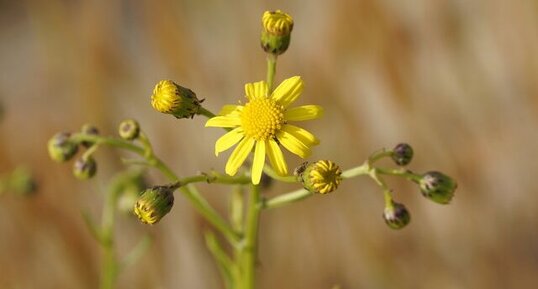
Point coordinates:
pixel 165 97
pixel 261 118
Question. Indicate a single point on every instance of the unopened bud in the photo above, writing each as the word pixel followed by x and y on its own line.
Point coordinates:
pixel 88 129
pixel 171 98
pixel 276 33
pixel 61 147
pixel 129 129
pixel 437 187
pixel 396 216
pixel 85 168
pixel 320 177
pixel 155 203
pixel 402 154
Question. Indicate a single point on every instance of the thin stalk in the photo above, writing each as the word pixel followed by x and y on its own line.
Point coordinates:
pixel 109 264
pixel 271 70
pixel 271 173
pixel 248 253
pixel 205 112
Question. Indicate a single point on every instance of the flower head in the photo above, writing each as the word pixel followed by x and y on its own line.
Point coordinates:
pixel 276 33
pixel 262 124
pixel 169 97
pixel 155 203
pixel 321 177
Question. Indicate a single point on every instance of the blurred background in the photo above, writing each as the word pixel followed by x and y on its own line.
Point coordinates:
pixel 456 79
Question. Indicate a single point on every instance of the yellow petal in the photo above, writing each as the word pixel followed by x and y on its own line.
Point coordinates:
pixel 258 162
pixel 276 158
pixel 301 134
pixel 288 91
pixel 229 108
pixel 239 155
pixel 256 89
pixel 305 112
pixel 293 144
pixel 228 140
pixel 223 121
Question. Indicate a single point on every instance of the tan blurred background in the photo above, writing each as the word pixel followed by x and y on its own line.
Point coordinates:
pixel 456 79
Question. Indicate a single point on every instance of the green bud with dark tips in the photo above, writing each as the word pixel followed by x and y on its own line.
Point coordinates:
pixel 61 148
pixel 437 187
pixel 396 216
pixel 129 129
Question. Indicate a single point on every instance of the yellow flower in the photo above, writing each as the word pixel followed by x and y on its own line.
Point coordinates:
pixel 262 124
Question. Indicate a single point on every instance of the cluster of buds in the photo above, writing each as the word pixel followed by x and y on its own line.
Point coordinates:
pixel 63 147
pixel 433 185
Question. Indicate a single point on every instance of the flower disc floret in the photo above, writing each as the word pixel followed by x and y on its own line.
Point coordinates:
pixel 262 118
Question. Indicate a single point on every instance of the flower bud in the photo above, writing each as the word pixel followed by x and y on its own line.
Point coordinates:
pixel 155 203
pixel 129 129
pixel 320 177
pixel 396 216
pixel 276 33
pixel 402 154
pixel 61 147
pixel 171 98
pixel 437 187
pixel 85 168
pixel 88 129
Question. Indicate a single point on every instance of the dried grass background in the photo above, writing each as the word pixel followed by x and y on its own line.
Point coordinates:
pixel 456 79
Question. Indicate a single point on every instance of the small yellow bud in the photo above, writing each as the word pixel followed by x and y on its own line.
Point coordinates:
pixel 320 177
pixel 276 34
pixel 155 203
pixel 171 98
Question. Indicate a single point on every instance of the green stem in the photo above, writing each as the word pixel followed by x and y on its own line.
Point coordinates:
pixel 271 173
pixel 109 264
pixel 248 254
pixel 287 198
pixel 271 70
pixel 205 112
pixel 409 175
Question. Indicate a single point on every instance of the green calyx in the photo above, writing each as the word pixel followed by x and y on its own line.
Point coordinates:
pixel 274 43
